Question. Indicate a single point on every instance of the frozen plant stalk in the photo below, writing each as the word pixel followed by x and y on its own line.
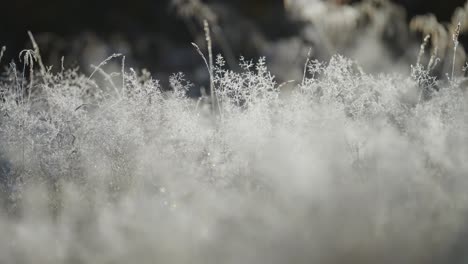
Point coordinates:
pixel 455 45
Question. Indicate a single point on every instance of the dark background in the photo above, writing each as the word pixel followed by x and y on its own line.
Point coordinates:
pixel 149 29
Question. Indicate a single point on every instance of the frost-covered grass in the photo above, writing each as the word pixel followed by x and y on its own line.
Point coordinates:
pixel 341 167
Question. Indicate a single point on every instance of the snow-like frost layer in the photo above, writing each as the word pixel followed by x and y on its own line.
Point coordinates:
pixel 344 168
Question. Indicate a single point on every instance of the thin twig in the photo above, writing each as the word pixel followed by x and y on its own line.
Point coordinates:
pixel 455 46
pixel 37 53
pixel 305 66
pixel 422 48
pixel 62 60
pixel 123 74
pixel 108 78
pixel 206 27
pixel 434 60
pixel 28 58
pixel 2 51
pixel 115 55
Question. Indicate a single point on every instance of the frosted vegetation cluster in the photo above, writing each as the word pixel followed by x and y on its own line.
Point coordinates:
pixel 339 167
